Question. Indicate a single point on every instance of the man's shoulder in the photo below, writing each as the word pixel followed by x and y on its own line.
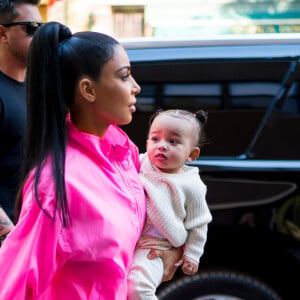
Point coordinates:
pixel 10 88
pixel 3 77
pixel 10 82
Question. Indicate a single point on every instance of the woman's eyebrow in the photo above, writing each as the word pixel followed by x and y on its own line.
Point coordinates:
pixel 124 67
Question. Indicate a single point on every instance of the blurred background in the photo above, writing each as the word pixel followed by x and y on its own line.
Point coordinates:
pixel 173 18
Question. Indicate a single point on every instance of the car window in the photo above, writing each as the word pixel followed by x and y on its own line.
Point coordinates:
pixel 239 95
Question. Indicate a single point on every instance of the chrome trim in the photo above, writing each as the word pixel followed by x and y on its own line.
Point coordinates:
pixel 252 165
pixel 257 202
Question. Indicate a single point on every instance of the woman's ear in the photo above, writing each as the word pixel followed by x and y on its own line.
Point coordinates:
pixel 194 154
pixel 87 90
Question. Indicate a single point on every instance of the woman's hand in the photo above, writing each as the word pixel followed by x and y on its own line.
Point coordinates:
pixel 171 258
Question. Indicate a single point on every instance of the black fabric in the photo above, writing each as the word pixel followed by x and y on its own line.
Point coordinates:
pixel 12 131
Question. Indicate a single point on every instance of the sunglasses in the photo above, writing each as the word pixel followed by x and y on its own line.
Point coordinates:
pixel 30 27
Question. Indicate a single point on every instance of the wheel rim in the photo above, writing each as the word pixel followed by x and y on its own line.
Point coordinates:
pixel 217 297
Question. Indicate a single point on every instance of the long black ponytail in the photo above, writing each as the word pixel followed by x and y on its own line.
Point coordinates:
pixel 46 114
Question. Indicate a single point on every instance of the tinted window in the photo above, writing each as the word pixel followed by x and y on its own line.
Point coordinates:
pixel 237 96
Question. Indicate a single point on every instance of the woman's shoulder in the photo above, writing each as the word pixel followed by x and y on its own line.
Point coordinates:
pixel 45 190
pixel 115 134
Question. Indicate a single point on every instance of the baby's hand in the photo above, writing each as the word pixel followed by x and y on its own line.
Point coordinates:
pixel 190 266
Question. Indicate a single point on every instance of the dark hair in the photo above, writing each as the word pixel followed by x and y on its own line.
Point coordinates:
pixel 199 119
pixel 8 11
pixel 57 60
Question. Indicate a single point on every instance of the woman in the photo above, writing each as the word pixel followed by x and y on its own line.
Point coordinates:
pixel 82 204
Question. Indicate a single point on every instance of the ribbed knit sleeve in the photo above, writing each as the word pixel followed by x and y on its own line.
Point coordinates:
pixel 176 206
pixel 197 218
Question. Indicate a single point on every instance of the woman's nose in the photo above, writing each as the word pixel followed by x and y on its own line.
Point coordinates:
pixel 136 89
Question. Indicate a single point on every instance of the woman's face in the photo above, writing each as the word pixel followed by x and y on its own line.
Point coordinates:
pixel 116 90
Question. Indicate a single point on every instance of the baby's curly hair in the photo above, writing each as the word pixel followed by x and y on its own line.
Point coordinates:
pixel 199 120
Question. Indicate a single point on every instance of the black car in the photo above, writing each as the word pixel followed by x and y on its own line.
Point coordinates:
pixel 250 88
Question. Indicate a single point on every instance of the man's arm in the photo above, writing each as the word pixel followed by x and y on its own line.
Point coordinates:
pixel 6 225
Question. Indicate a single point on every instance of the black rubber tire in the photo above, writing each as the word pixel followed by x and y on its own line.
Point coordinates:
pixel 217 286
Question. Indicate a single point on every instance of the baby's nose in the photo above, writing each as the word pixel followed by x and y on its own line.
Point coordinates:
pixel 163 145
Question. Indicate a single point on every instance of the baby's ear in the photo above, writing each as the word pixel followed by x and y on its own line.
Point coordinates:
pixel 194 154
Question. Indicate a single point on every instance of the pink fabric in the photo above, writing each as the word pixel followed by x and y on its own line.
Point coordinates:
pixel 89 259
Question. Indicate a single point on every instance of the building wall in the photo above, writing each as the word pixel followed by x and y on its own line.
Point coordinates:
pixel 169 18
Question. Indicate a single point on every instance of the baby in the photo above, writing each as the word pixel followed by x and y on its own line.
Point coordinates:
pixel 177 212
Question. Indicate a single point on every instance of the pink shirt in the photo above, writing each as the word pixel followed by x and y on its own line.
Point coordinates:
pixel 89 259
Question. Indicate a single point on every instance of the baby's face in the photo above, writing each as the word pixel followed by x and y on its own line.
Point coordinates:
pixel 170 143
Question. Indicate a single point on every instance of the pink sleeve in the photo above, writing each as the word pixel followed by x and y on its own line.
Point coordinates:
pixel 28 256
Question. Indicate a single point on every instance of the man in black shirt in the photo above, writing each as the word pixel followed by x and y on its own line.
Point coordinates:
pixel 19 20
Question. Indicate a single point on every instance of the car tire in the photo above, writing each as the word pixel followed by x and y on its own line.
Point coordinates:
pixel 217 286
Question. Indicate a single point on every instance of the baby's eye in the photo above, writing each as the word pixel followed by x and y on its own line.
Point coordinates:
pixel 154 139
pixel 173 142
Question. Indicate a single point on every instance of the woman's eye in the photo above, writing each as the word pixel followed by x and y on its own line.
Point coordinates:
pixel 125 76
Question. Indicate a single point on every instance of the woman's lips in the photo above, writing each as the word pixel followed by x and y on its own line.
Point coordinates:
pixel 132 108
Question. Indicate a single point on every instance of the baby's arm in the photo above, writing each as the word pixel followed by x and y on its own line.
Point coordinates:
pixel 190 266
pixel 196 222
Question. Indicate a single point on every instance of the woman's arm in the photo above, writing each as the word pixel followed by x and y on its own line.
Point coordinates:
pixel 172 259
pixel 6 225
pixel 31 247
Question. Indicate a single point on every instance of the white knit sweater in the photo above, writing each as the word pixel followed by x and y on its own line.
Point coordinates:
pixel 176 206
